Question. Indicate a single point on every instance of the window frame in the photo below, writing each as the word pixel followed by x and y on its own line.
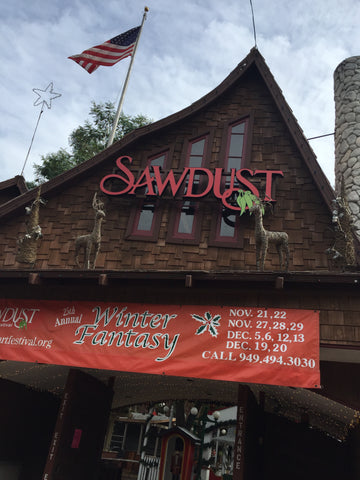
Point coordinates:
pixel 221 240
pixel 193 238
pixel 237 240
pixel 132 232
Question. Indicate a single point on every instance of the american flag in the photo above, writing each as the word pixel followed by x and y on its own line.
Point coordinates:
pixel 108 53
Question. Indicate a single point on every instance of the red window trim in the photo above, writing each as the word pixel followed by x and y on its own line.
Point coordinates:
pixel 192 238
pixel 149 235
pixel 215 238
pixel 225 144
pixel 132 232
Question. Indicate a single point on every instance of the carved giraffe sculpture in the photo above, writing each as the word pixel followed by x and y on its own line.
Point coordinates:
pixel 27 244
pixel 265 237
pixel 342 253
pixel 93 239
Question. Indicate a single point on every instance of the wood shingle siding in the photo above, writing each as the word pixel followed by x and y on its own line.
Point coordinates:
pixel 275 142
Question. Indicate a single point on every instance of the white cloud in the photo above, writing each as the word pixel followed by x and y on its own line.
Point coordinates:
pixel 187 48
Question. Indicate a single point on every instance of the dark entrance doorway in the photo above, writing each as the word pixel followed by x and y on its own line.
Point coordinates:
pixel 77 442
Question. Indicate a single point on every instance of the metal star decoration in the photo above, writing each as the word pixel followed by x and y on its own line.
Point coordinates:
pixel 45 96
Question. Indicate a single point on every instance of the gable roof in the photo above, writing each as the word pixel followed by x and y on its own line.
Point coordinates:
pixel 253 60
pixel 12 188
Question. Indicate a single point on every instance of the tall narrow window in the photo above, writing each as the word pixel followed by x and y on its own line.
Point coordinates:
pixel 226 229
pixel 185 224
pixel 235 150
pixel 147 216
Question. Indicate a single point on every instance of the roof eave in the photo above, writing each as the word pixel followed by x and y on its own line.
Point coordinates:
pixel 110 277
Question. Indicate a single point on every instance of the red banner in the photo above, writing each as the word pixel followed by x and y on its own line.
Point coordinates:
pixel 241 344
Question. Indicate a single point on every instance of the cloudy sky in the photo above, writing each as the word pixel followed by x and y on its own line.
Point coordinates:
pixel 187 48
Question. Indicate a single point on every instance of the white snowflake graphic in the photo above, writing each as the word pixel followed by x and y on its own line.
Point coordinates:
pixel 209 323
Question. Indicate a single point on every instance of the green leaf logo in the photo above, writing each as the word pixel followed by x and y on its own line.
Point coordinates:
pixel 208 323
pixel 246 199
pixel 23 324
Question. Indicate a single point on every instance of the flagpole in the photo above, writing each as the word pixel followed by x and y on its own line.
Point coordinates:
pixel 121 101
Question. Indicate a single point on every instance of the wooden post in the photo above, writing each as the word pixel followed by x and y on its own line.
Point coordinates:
pixel 246 461
pixel 77 442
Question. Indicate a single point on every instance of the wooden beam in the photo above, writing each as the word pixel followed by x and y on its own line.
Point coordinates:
pixel 103 279
pixel 34 278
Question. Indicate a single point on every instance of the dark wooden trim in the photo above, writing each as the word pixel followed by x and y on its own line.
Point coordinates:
pixel 322 279
pixel 17 181
pixel 337 346
pixel 34 278
pixel 103 279
pixel 279 282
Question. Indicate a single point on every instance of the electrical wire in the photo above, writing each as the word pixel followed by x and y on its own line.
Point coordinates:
pixel 321 136
pixel 253 22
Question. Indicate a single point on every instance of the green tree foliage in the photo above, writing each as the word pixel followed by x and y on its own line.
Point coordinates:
pixel 52 165
pixel 86 141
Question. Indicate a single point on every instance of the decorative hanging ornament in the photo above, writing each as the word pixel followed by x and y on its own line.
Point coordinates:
pixel 45 96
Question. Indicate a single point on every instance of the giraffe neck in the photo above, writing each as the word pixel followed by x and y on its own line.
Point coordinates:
pixel 259 227
pixel 97 227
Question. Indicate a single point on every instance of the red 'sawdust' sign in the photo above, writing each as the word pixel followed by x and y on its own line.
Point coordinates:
pixel 242 344
pixel 157 183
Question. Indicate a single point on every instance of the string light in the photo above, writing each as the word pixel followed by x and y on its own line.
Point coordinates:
pixel 323 414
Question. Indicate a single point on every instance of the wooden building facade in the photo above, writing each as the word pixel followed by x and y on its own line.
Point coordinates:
pixel 182 243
